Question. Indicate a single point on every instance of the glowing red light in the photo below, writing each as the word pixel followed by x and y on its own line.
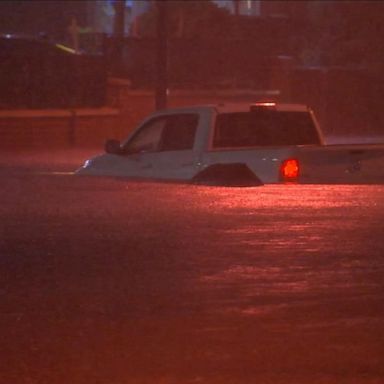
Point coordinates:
pixel 290 169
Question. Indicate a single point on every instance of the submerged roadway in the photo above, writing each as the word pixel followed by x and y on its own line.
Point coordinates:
pixel 107 281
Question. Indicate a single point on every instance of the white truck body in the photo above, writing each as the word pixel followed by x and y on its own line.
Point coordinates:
pixel 185 144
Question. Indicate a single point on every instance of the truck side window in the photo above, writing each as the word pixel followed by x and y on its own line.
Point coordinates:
pixel 179 132
pixel 147 139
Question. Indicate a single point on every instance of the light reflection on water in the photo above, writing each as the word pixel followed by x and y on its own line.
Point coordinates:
pixel 284 196
pixel 315 246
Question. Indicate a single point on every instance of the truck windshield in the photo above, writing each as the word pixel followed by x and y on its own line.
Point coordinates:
pixel 264 128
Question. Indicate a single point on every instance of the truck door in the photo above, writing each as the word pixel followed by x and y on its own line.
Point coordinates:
pixel 163 148
pixel 176 158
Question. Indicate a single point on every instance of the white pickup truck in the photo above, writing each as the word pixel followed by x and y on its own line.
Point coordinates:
pixel 237 144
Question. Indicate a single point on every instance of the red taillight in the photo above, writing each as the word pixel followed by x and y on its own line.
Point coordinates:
pixel 290 169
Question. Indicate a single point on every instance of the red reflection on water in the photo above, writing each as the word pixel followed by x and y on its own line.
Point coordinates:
pixel 294 241
pixel 291 196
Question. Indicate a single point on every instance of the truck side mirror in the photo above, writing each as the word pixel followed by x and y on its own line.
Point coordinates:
pixel 112 146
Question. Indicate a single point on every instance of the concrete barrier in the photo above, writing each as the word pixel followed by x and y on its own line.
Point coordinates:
pixel 57 128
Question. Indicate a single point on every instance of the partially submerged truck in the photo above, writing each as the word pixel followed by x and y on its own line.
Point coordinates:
pixel 237 144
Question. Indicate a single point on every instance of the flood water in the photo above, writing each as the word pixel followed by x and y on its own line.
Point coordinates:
pixel 112 281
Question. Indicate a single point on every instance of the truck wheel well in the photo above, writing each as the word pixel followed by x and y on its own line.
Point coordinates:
pixel 232 174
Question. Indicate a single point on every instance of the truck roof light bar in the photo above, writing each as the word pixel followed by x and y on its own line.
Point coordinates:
pixel 262 106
